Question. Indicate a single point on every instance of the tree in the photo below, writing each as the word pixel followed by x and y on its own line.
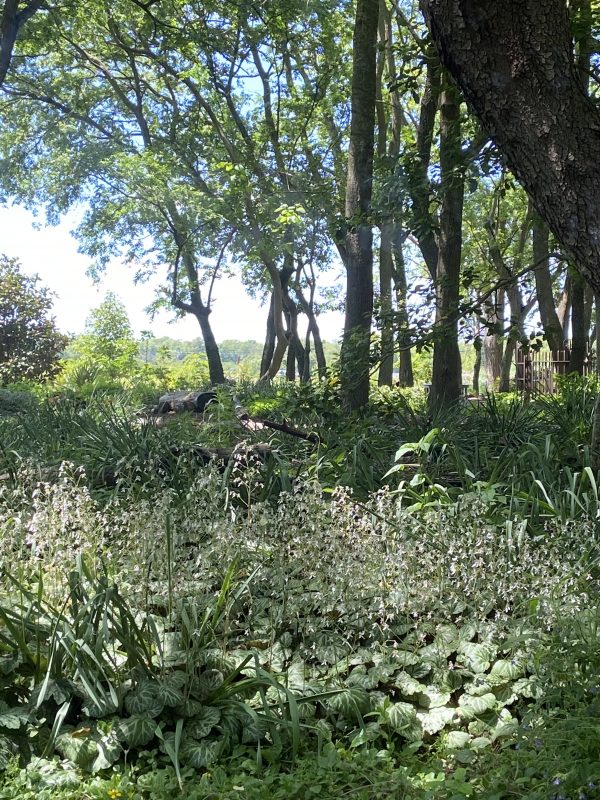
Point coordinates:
pixel 514 62
pixel 30 343
pixel 358 240
pixel 14 15
pixel 108 345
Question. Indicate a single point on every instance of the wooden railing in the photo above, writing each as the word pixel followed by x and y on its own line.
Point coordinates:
pixel 536 370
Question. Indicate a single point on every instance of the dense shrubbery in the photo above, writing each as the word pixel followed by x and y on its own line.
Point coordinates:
pixel 300 623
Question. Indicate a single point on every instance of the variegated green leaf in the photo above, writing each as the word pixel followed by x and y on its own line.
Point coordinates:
pixel 199 754
pixel 400 716
pixel 201 725
pixel 108 752
pixel 136 731
pixel 206 684
pixel 351 702
pixel 436 719
pixel 472 706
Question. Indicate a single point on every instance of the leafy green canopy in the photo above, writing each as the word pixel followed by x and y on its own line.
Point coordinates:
pixel 29 340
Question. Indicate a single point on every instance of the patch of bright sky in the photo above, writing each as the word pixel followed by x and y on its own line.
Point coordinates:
pixel 51 253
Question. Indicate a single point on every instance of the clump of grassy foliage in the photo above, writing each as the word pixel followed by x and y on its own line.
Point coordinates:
pixel 302 626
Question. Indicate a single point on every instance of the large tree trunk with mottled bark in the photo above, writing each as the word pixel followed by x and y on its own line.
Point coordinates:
pixel 358 240
pixel 513 60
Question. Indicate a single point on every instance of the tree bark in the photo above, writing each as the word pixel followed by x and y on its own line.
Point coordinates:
pixel 354 357
pixel 513 60
pixel 213 356
pixel 386 271
pixel 405 369
pixel 446 379
pixel 269 346
pixel 578 328
pixel 553 331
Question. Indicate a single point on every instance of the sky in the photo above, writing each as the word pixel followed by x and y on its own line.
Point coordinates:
pixel 51 253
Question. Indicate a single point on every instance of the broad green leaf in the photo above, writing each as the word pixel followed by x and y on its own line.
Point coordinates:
pixel 201 725
pixel 109 751
pixel 504 670
pixel 432 697
pixel 170 690
pixel 351 702
pixel 400 716
pixel 79 745
pixel 406 684
pixel 472 706
pixel 436 719
pixel 527 687
pixel 144 699
pixel 199 754
pixel 476 656
pixel 206 684
pixel 136 731
pixel 456 740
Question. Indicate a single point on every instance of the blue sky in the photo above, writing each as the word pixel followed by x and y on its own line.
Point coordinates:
pixel 51 252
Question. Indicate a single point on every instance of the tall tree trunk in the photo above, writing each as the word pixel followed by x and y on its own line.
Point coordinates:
pixel 405 369
pixel 553 331
pixel 493 343
pixel 213 356
pixel 269 346
pixel 578 329
pixel 513 60
pixel 507 359
pixel 477 344
pixel 386 271
pixel 354 358
pixel 447 368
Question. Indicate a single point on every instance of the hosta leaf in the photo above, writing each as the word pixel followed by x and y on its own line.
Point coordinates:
pixel 505 671
pixel 136 731
pixel 145 699
pixel 350 702
pixel 436 719
pixel 432 697
pixel 201 726
pixel 401 716
pixel 406 684
pixel 199 754
pixel 109 751
pixel 471 705
pixel 206 684
pixel 476 656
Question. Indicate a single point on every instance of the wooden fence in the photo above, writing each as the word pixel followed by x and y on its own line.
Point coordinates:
pixel 536 370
